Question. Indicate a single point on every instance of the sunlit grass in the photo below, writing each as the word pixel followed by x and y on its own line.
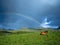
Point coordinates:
pixel 30 38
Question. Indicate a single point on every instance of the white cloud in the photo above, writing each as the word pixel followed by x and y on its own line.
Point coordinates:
pixel 45 24
pixel 49 2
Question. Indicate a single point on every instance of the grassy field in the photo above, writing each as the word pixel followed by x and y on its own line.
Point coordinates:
pixel 30 38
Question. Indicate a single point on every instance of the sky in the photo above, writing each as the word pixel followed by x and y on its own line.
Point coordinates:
pixel 47 24
pixel 16 14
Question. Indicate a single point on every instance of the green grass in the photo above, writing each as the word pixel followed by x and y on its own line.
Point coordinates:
pixel 30 38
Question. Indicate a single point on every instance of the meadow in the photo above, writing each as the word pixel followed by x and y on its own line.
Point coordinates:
pixel 29 37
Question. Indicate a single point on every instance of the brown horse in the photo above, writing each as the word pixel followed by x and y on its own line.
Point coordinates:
pixel 44 33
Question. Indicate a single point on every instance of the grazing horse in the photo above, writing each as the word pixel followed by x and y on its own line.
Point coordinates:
pixel 44 33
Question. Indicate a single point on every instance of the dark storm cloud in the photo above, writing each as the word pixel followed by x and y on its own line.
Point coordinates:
pixel 36 9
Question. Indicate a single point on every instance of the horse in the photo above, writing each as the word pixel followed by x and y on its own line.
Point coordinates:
pixel 44 33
